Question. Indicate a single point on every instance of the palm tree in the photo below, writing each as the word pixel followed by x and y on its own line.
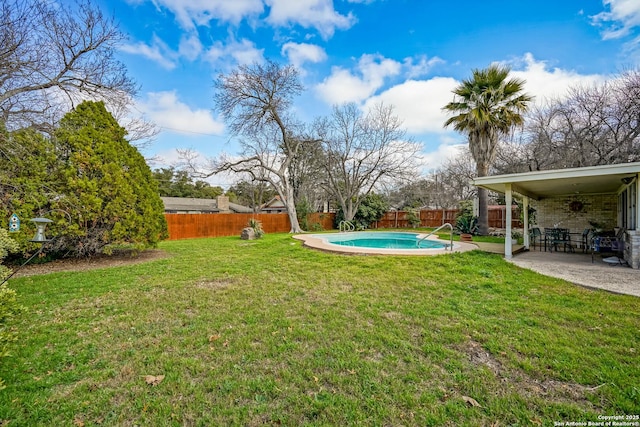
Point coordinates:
pixel 485 107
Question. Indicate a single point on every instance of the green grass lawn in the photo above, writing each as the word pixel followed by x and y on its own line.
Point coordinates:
pixel 270 333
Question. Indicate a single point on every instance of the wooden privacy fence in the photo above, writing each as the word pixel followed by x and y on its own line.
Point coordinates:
pixel 187 226
pixel 498 217
pixel 428 218
pixel 437 217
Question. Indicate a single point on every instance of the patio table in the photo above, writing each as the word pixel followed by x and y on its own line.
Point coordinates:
pixel 557 236
pixel 578 240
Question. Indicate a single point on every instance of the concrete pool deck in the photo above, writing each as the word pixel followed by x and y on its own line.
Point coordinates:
pixel 316 241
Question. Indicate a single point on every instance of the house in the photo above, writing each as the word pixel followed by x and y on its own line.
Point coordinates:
pixel 576 199
pixel 275 205
pixel 194 205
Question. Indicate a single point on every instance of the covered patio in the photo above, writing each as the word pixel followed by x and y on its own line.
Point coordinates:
pixel 576 199
pixel 577 268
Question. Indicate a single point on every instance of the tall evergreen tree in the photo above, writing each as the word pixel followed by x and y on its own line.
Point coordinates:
pixel 105 185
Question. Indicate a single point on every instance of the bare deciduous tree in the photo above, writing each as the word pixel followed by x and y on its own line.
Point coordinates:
pixel 452 181
pixel 52 57
pixel 307 172
pixel 255 101
pixel 592 125
pixel 360 150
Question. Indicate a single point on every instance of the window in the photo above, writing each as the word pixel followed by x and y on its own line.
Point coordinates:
pixel 627 208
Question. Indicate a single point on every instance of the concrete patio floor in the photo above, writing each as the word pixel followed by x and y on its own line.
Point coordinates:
pixel 577 268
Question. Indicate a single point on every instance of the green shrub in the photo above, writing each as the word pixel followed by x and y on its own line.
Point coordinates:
pixel 371 208
pixel 7 245
pixel 316 226
pixel 8 304
pixel 257 227
pixel 466 223
pixel 413 216
pixel 303 209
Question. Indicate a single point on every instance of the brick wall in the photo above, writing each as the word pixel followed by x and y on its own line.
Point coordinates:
pixel 575 212
pixel 632 248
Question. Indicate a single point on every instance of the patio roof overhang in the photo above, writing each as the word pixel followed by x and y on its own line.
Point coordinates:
pixel 539 185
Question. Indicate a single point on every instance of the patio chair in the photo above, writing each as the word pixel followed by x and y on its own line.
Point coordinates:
pixel 535 235
pixel 608 243
pixel 560 237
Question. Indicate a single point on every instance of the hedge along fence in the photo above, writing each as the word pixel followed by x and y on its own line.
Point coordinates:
pixel 188 226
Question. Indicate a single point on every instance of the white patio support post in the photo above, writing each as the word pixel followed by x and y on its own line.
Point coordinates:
pixel 508 198
pixel 525 219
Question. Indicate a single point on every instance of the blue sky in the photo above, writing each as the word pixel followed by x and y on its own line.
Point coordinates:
pixel 408 53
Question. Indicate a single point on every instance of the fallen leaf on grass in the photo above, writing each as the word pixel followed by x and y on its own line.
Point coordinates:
pixel 153 380
pixel 471 401
pixel 213 338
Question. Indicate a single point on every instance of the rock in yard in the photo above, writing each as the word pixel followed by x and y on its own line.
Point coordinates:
pixel 248 234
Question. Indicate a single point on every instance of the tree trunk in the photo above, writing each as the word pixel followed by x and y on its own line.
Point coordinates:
pixel 483 212
pixel 289 202
pixel 349 212
pixel 483 202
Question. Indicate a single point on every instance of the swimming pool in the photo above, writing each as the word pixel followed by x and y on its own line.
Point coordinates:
pixel 374 242
pixel 383 240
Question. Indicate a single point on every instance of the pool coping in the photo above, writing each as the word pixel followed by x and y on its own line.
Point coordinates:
pixel 313 241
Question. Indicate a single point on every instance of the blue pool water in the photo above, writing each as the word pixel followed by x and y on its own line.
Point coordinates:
pixel 382 240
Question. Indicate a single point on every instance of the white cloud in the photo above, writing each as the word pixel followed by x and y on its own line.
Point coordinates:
pixel 447 150
pixel 169 113
pixel 619 21
pixel 419 103
pixel 299 53
pixel 420 66
pixel 190 46
pixel 242 52
pixel 318 14
pixel 545 83
pixel 157 51
pixel 344 86
pixel 192 13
